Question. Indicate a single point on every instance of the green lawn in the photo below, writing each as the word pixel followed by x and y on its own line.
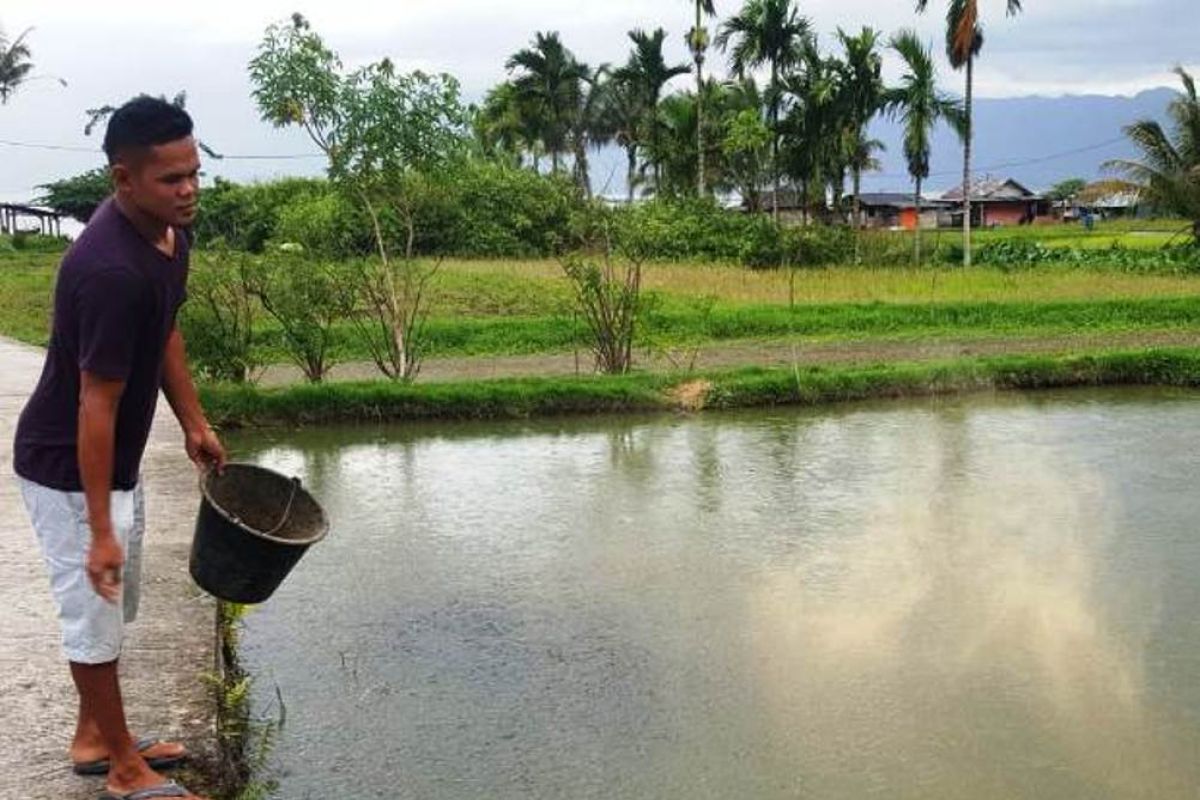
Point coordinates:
pixel 517 307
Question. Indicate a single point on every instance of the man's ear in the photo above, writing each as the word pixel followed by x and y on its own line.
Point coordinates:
pixel 120 175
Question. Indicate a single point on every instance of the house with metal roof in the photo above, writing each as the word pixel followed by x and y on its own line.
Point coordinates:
pixel 997 202
pixel 899 210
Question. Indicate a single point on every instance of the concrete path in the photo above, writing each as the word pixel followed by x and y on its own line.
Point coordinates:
pixel 168 652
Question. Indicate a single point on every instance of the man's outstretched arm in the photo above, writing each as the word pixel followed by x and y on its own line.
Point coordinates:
pixel 203 446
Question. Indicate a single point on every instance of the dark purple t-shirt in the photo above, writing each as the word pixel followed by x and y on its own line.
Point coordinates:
pixel 114 306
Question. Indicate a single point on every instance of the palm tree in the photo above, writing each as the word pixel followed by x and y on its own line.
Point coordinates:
pixel 768 32
pixel 589 125
pixel 697 40
pixel 920 105
pixel 964 40
pixel 550 87
pixel 623 115
pixel 500 128
pixel 1169 172
pixel 862 92
pixel 15 65
pixel 811 129
pixel 647 72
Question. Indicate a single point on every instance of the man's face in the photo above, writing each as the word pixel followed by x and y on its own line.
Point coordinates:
pixel 163 181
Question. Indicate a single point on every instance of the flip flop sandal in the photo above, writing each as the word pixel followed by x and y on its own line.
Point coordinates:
pixel 101 765
pixel 168 789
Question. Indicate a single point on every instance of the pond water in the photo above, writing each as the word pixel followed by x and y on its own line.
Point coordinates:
pixel 985 597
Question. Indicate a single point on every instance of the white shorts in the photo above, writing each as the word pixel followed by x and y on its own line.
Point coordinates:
pixel 92 627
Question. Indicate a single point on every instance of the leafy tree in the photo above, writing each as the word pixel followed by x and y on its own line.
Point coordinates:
pixel 919 105
pixel 381 132
pixel 1066 189
pixel 697 41
pixel 964 40
pixel 15 65
pixel 1169 170
pixel 767 33
pixel 77 197
pixel 747 150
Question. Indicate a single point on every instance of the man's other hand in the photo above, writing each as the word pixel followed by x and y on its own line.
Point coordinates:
pixel 105 565
pixel 204 448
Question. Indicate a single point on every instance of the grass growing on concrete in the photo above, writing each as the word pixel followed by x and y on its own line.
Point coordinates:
pixel 242 406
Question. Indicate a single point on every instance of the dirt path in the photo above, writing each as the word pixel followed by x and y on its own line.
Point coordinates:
pixel 169 649
pixel 776 353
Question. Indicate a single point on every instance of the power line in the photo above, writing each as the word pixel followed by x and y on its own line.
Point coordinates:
pixel 1010 164
pixel 96 150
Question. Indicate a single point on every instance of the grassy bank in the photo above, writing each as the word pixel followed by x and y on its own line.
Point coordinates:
pixel 244 406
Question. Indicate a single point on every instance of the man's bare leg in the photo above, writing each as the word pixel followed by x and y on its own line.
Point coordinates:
pixel 100 704
pixel 88 746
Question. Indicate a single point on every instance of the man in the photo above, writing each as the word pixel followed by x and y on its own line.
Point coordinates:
pixel 79 442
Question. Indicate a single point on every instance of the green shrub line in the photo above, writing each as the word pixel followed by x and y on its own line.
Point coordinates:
pixel 237 406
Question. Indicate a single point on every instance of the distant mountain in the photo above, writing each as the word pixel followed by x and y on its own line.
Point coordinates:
pixel 1036 140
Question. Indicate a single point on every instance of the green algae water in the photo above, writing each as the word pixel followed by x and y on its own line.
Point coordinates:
pixel 988 597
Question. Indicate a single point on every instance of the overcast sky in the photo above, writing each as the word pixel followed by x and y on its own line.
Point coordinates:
pixel 108 51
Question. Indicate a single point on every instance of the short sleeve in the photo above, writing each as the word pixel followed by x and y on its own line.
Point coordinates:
pixel 109 314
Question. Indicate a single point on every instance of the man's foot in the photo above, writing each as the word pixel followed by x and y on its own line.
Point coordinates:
pixel 142 783
pixel 93 759
pixel 167 789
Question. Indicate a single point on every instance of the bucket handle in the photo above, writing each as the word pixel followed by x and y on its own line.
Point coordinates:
pixel 287 511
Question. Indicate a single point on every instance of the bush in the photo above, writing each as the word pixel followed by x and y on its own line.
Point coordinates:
pixel 476 209
pixel 306 297
pixel 217 321
pixel 245 216
pixel 24 242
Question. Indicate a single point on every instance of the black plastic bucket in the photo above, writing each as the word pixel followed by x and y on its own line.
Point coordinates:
pixel 252 528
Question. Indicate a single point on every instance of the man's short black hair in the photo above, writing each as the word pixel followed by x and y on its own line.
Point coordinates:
pixel 144 122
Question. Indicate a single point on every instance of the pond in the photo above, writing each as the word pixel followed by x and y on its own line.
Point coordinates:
pixel 983 597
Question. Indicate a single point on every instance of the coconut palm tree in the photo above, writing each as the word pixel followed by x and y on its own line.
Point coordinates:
pixel 919 105
pixel 862 93
pixel 648 72
pixel 964 40
pixel 550 85
pixel 697 41
pixel 1169 172
pixel 15 65
pixel 767 33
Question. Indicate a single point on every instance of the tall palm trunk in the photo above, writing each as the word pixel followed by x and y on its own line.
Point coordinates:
pixel 917 231
pixel 698 54
pixel 631 173
pixel 775 141
pixel 967 165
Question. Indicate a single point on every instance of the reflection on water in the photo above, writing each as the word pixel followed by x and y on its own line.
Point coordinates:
pixel 964 599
